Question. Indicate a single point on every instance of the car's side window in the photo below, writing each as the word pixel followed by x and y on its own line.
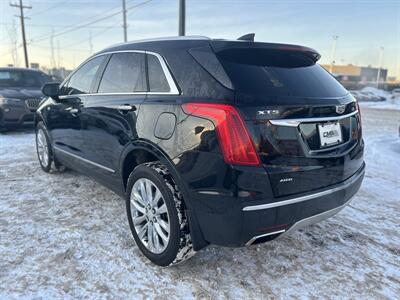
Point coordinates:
pixel 157 80
pixel 125 73
pixel 81 81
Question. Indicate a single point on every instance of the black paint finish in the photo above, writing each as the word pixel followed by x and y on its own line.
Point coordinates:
pixel 113 141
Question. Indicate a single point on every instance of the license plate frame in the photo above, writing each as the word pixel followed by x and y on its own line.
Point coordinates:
pixel 330 134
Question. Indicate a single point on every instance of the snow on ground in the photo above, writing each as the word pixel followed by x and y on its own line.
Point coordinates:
pixel 65 236
pixel 390 104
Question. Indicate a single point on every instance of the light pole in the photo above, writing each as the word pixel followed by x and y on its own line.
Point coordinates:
pixel 381 49
pixel 333 52
pixel 182 17
pixel 125 26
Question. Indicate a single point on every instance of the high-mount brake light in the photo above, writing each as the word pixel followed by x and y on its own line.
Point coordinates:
pixel 236 144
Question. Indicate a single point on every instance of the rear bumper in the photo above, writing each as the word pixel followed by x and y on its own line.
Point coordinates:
pixel 245 224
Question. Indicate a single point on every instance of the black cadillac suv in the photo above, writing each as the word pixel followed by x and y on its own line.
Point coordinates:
pixel 226 142
pixel 20 95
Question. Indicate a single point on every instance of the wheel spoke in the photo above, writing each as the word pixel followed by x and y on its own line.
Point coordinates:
pixel 162 209
pixel 138 197
pixel 138 206
pixel 150 236
pixel 156 198
pixel 156 239
pixel 163 224
pixel 142 191
pixel 149 191
pixel 142 231
pixel 160 233
pixel 138 220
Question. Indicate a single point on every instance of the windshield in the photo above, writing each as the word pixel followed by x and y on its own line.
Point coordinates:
pixel 17 78
pixel 278 73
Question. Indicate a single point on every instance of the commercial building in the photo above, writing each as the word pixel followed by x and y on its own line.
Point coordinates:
pixel 351 75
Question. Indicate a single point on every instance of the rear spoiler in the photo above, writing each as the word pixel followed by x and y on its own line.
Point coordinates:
pixel 221 45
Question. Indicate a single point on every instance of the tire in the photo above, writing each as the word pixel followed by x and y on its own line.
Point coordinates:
pixel 178 246
pixel 43 147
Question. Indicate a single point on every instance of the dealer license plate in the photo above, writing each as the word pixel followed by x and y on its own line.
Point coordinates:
pixel 330 134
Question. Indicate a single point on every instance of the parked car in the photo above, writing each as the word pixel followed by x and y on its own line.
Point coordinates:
pixel 380 95
pixel 357 95
pixel 20 95
pixel 221 142
pixel 369 96
pixel 395 93
pixel 373 96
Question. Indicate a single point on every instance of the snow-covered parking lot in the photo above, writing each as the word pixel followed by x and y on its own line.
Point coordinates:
pixel 64 236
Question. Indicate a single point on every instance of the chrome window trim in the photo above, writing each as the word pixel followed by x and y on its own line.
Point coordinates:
pixel 306 197
pixel 83 159
pixel 171 82
pixel 297 122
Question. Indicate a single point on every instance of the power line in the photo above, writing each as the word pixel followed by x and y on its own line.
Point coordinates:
pixel 21 16
pixel 73 26
pixel 54 26
pixel 48 8
pixel 84 25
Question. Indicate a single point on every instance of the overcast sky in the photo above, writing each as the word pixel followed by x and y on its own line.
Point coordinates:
pixel 362 26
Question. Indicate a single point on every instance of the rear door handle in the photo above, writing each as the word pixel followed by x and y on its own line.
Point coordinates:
pixel 126 107
pixel 73 110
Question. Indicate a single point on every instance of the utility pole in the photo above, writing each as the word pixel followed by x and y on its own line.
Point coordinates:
pixel 58 55
pixel 21 16
pixel 125 26
pixel 381 49
pixel 333 53
pixel 53 57
pixel 182 17
pixel 90 43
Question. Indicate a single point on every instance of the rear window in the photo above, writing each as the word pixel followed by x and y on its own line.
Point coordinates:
pixel 157 80
pixel 125 73
pixel 278 73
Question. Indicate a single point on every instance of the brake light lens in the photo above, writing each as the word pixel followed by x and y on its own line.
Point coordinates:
pixel 235 142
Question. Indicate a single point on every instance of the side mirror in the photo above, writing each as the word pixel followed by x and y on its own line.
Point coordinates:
pixel 51 89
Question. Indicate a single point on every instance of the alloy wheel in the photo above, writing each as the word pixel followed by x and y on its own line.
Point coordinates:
pixel 42 148
pixel 150 215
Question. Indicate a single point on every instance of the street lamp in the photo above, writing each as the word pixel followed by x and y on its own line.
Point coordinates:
pixel 381 49
pixel 333 52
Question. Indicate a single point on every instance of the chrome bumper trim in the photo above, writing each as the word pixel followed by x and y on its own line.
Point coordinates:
pixel 254 238
pixel 296 122
pixel 306 197
pixel 83 159
pixel 316 218
pixel 303 222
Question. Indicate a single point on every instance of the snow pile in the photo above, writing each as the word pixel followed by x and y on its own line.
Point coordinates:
pixel 391 104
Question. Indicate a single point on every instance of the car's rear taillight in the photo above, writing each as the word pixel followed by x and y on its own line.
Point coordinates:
pixel 235 142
